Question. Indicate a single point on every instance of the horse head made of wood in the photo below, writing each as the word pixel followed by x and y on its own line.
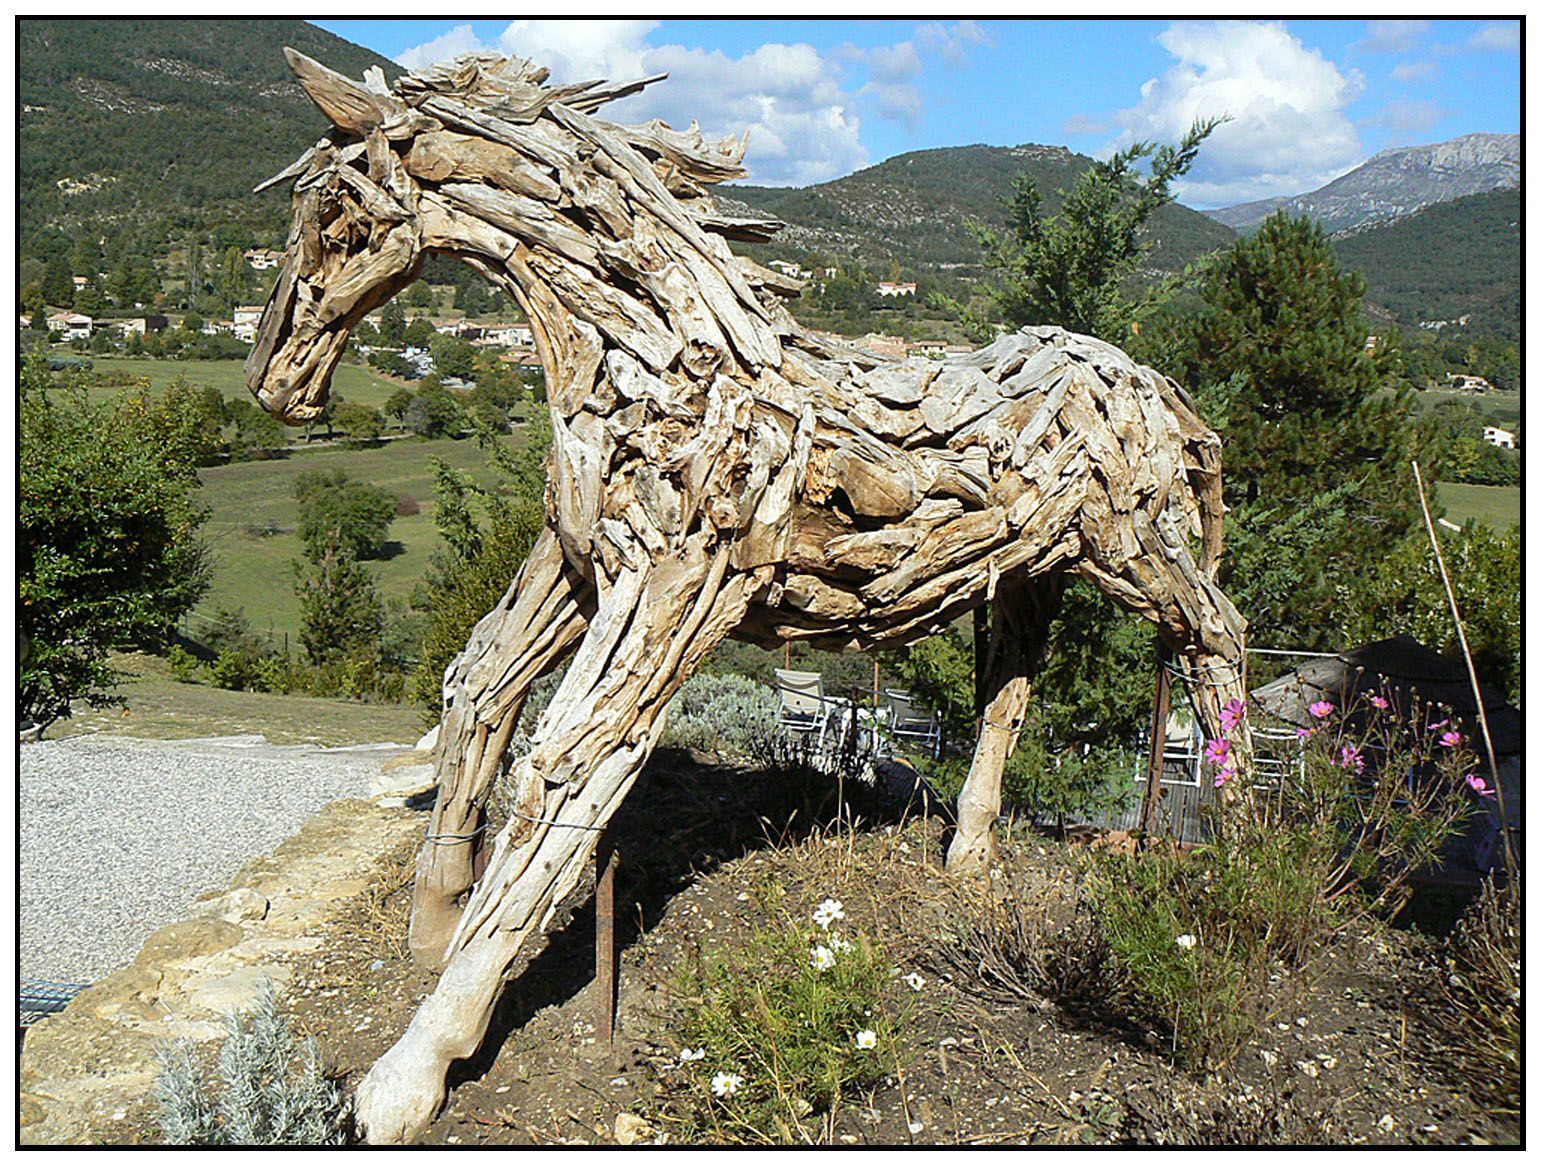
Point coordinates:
pixel 479 159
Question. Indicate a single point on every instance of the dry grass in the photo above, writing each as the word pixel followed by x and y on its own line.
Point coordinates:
pixel 159 708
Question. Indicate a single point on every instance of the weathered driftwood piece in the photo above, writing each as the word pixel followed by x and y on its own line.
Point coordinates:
pixel 716 471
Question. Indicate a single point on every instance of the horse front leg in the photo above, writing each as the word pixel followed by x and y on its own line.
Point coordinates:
pixel 1017 641
pixel 535 626
pixel 652 628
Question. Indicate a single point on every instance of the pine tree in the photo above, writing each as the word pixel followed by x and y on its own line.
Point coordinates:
pixel 1072 268
pixel 1277 357
pixel 341 613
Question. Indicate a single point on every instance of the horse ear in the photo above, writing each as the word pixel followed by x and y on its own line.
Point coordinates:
pixel 349 105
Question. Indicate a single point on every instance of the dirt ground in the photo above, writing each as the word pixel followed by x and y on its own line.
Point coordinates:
pixel 1351 1057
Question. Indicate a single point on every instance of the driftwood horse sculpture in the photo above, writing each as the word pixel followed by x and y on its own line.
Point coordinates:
pixel 716 471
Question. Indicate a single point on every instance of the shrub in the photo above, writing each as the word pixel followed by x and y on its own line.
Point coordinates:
pixel 785 1025
pixel 107 547
pixel 185 667
pixel 721 714
pixel 269 1088
pixel 1481 986
pixel 406 506
pixel 1374 797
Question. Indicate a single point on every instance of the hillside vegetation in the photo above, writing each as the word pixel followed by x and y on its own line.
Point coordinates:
pixel 142 120
pixel 910 211
pixel 1454 259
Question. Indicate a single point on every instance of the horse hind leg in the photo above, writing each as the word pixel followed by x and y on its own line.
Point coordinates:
pixel 536 626
pixel 1196 620
pixel 1023 610
pixel 650 632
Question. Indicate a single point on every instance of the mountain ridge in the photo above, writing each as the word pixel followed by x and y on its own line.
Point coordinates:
pixel 1395 182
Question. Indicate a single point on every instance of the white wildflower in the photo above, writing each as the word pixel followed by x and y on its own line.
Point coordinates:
pixel 726 1084
pixel 827 912
pixel 866 1039
pixel 839 946
pixel 821 958
pixel 688 1054
pixel 1187 942
pixel 915 980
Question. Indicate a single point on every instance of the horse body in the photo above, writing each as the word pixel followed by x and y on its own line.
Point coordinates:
pixel 716 471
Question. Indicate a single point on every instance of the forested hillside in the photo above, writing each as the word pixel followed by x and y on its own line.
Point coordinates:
pixel 174 121
pixel 1448 261
pixel 907 215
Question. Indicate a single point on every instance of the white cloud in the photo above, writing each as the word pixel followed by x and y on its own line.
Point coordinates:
pixel 1080 124
pixel 1406 118
pixel 460 39
pixel 1392 36
pixel 802 124
pixel 1288 131
pixel 1503 36
pixel 952 42
pixel 1412 73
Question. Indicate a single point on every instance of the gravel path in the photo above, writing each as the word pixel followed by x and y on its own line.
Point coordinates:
pixel 119 836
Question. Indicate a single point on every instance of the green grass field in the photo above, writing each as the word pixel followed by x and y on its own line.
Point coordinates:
pixel 253 569
pixel 1499 506
pixel 1497 407
pixel 158 707
pixel 355 382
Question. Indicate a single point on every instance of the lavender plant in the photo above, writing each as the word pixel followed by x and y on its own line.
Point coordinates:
pixel 269 1088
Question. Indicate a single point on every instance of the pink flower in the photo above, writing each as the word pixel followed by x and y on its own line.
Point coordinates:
pixel 1438 725
pixel 1351 758
pixel 1222 777
pixel 1304 734
pixel 1479 786
pixel 1218 751
pixel 1233 714
pixel 1380 702
pixel 1451 739
pixel 1322 708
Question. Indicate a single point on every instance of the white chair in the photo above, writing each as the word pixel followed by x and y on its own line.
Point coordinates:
pixel 803 706
pixel 910 720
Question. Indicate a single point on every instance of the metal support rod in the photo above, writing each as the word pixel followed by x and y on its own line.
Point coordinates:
pixel 1158 717
pixel 607 964
pixel 981 656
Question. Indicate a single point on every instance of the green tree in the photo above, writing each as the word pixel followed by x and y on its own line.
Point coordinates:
pixel 58 282
pixel 341 614
pixel 342 514
pixel 1072 268
pixel 397 404
pixel 258 434
pixel 393 325
pixel 362 424
pixel 36 307
pixel 435 412
pixel 1404 595
pixel 187 419
pixel 108 553
pixel 452 356
pixel 1277 358
pixel 419 333
pixel 487 535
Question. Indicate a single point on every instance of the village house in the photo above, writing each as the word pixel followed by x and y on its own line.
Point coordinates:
pixel 1461 383
pixel 893 290
pixel 1502 438
pixel 884 345
pixel 790 269
pixel 260 258
pixel 71 325
pixel 244 325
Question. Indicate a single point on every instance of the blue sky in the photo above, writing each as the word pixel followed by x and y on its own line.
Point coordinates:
pixel 1309 99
